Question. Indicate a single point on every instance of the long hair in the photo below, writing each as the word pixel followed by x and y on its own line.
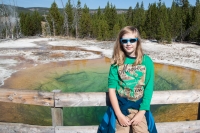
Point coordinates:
pixel 119 54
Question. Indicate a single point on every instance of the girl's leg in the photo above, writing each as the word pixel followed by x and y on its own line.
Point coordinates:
pixel 121 129
pixel 142 126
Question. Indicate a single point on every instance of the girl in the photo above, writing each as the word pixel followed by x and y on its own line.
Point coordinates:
pixel 130 83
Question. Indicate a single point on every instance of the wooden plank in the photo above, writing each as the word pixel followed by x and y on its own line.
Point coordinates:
pixel 166 127
pixel 101 98
pixel 81 99
pixel 176 96
pixel 24 128
pixel 33 97
pixel 179 127
pixel 76 129
pixel 57 116
pixel 90 98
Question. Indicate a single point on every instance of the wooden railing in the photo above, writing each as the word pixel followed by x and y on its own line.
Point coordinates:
pixel 57 100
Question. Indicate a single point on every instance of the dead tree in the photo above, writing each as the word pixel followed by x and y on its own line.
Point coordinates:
pixel 77 14
pixel 8 25
pixel 54 30
pixel 48 26
pixel 17 23
pixel 65 25
pixel 1 25
pixel 9 20
pixel 4 20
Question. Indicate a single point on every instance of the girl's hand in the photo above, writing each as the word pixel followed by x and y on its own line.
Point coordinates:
pixel 138 117
pixel 123 120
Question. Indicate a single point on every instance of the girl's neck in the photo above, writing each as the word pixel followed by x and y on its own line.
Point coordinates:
pixel 130 54
pixel 132 57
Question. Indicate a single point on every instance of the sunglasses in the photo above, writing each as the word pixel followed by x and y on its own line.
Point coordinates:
pixel 131 40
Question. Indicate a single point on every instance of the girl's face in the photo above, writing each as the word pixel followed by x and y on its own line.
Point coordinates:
pixel 129 43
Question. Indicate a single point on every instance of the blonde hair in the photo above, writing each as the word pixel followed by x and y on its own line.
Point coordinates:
pixel 119 55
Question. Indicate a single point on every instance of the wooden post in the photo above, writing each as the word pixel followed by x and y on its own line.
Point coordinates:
pixel 57 113
pixel 198 113
pixel 107 99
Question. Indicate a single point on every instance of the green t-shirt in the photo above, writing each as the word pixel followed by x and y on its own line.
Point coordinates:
pixel 133 82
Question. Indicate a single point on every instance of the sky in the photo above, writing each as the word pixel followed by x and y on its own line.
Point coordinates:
pixel 92 4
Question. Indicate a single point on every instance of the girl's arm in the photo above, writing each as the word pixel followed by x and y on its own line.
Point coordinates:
pixel 112 85
pixel 148 91
pixel 123 120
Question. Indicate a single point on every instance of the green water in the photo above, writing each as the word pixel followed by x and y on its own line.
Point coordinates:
pixel 89 78
pixel 83 81
pixel 175 78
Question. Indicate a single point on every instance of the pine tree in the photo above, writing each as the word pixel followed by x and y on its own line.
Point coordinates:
pixel 151 22
pixel 143 34
pixel 85 22
pixel 121 20
pixel 142 21
pixel 103 32
pixel 110 16
pixel 96 18
pixel 185 12
pixel 55 20
pixel 194 35
pixel 29 25
pixel 163 13
pixel 70 15
pixel 175 20
pixel 22 22
pixel 136 16
pixel 113 24
pixel 198 38
pixel 186 17
pixel 129 16
pixel 116 30
pixel 37 22
pixel 168 37
pixel 99 12
pixel 197 20
pixel 161 32
pixel 139 17
pixel 94 26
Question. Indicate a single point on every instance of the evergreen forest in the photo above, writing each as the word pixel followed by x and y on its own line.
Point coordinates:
pixel 180 22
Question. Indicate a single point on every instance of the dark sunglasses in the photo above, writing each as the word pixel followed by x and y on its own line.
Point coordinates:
pixel 131 40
